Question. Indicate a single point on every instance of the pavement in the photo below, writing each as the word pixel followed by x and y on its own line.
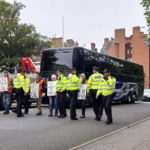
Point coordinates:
pixel 134 138
pixel 51 133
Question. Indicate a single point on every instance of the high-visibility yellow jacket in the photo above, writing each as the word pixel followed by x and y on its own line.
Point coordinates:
pixel 67 82
pixel 74 83
pixel 94 81
pixel 107 87
pixel 60 84
pixel 26 87
pixel 113 83
pixel 18 81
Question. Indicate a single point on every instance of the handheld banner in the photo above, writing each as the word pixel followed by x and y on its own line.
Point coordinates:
pixel 51 88
pixel 82 92
pixel 34 91
pixel 3 84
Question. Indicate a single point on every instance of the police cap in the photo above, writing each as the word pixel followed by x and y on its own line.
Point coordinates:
pixel 96 68
pixel 19 69
pixel 73 69
pixel 106 70
pixel 59 71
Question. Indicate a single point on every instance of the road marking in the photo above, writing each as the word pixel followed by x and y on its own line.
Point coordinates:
pixel 109 134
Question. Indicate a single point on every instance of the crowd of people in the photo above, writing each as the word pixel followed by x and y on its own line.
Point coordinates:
pixel 100 88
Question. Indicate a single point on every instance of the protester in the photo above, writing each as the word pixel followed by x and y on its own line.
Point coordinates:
pixel 83 101
pixel 7 95
pixel 41 85
pixel 53 104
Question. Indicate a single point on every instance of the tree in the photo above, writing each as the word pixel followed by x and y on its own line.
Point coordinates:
pixel 17 40
pixel 146 5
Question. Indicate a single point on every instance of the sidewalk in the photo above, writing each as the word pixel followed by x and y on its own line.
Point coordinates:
pixel 134 138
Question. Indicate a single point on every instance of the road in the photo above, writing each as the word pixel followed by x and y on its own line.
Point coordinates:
pixel 44 133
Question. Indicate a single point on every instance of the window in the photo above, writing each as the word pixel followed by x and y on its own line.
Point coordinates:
pixel 128 51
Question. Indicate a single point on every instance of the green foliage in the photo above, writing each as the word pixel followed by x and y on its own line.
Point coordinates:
pixel 146 5
pixel 17 40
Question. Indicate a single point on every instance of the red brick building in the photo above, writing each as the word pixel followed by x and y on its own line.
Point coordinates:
pixel 134 48
pixel 58 42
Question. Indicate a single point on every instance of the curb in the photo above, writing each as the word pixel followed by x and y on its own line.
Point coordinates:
pixel 109 134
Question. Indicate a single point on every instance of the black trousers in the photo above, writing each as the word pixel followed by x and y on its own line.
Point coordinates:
pixel 107 102
pixel 58 102
pixel 26 103
pixel 97 104
pixel 63 103
pixel 73 102
pixel 61 97
pixel 20 97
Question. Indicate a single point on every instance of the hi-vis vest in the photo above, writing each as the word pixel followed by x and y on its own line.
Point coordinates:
pixel 18 81
pixel 94 81
pixel 10 85
pixel 60 84
pixel 74 83
pixel 27 85
pixel 107 87
pixel 67 82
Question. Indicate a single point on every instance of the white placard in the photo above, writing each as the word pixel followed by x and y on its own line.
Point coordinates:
pixel 82 92
pixel 34 90
pixel 3 84
pixel 51 88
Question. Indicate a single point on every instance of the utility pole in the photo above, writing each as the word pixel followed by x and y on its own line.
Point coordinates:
pixel 63 30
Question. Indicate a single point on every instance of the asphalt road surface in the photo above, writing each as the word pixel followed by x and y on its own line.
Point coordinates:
pixel 44 133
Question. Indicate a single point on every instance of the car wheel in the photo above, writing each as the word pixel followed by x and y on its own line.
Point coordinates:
pixel 134 98
pixel 129 99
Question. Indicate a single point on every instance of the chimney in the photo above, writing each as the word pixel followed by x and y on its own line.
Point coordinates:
pixel 119 34
pixel 136 31
pixel 106 40
pixel 93 47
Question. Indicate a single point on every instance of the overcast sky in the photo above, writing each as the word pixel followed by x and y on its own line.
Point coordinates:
pixel 85 21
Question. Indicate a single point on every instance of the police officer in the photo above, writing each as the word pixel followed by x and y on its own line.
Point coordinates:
pixel 19 85
pixel 93 83
pixel 61 93
pixel 107 89
pixel 73 88
pixel 26 89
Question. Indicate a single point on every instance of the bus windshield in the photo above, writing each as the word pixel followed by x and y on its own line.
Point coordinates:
pixel 56 59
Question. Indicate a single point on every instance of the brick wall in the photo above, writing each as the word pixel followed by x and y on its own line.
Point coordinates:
pixel 138 45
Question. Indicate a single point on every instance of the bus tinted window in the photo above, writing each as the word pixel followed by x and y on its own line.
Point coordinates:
pixel 53 60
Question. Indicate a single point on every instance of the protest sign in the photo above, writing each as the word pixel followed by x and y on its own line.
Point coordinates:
pixel 82 92
pixel 3 84
pixel 34 91
pixel 51 88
